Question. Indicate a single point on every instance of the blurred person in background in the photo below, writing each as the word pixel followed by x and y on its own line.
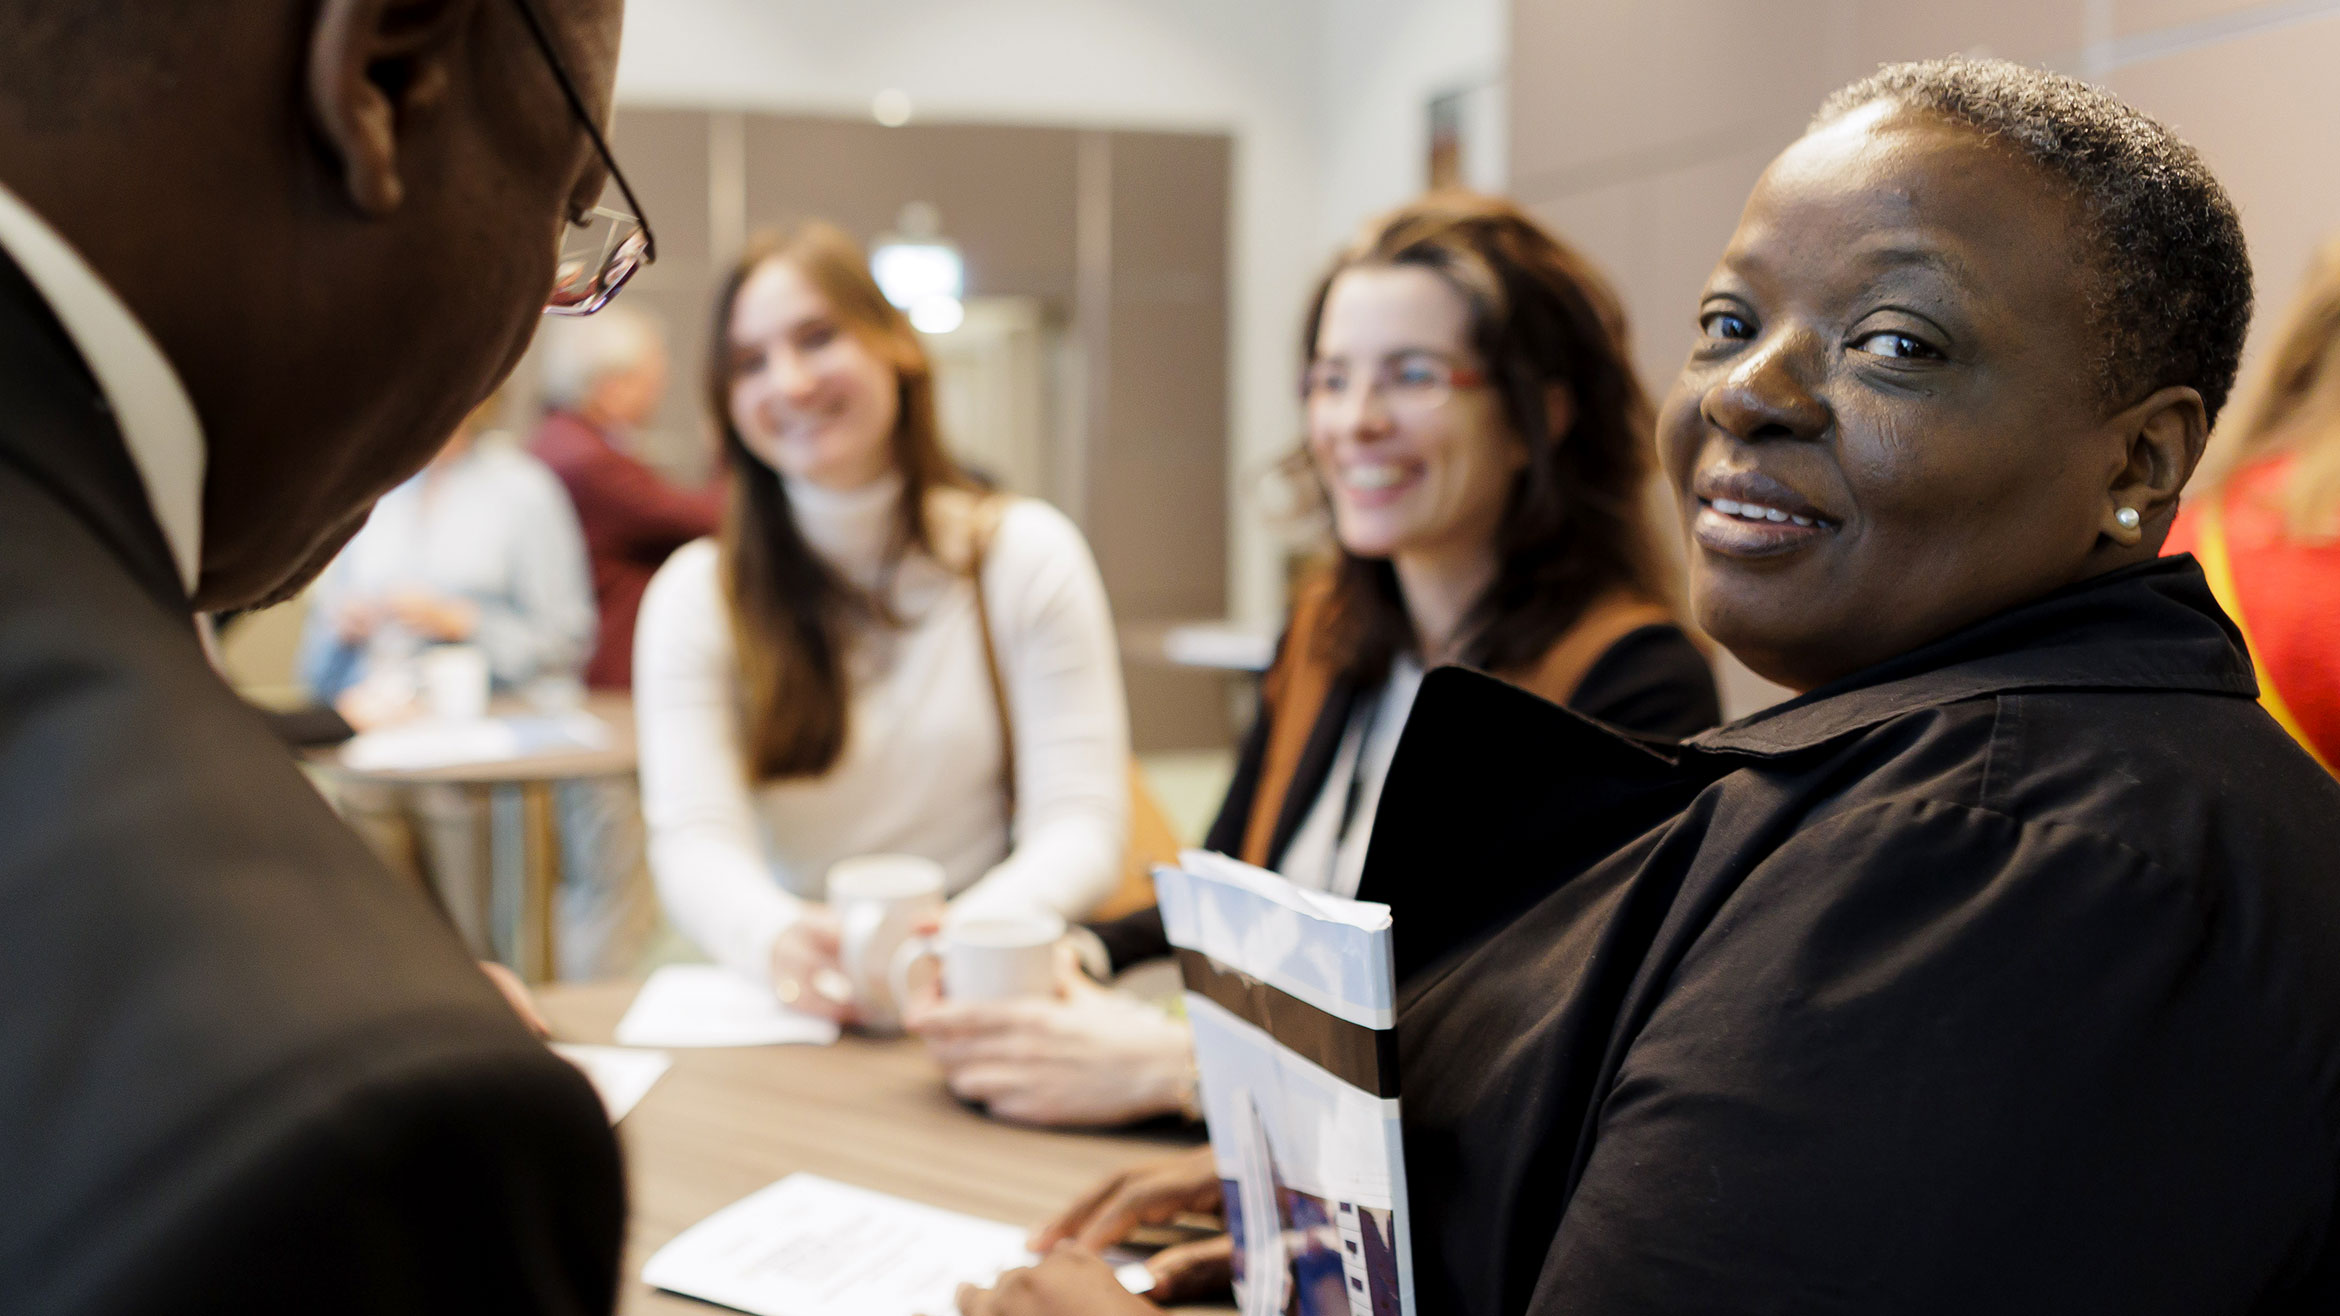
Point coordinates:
pixel 481 549
pixel 603 379
pixel 1474 422
pixel 2264 517
pixel 257 261
pixel 816 686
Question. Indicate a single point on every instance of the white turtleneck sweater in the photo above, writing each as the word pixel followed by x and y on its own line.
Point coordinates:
pixel 922 770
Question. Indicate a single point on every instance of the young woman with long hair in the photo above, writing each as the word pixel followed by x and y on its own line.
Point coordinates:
pixel 1475 426
pixel 814 685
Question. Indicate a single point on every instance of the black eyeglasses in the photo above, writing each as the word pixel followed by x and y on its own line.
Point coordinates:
pixel 606 246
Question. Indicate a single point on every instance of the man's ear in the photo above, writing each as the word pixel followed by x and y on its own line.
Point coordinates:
pixel 375 66
pixel 2163 437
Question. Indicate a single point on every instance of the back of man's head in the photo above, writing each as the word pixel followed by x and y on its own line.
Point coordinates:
pixel 337 217
pixel 65 63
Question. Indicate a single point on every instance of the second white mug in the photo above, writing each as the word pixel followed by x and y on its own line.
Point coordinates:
pixel 986 957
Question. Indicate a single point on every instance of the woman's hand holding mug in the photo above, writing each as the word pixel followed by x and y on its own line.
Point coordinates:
pixel 805 971
pixel 1079 1055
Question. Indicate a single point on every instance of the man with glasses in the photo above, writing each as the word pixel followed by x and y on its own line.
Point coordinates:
pixel 256 258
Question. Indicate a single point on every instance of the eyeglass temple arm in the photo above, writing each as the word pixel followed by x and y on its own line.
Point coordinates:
pixel 543 38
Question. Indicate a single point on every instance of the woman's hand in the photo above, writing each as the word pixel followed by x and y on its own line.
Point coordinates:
pixel 516 995
pixel 1067 1282
pixel 357 620
pixel 435 616
pixel 1193 1272
pixel 806 974
pixel 1087 1056
pixel 384 699
pixel 1150 1194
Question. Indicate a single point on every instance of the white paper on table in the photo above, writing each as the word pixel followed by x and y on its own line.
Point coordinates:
pixel 705 1005
pixel 422 746
pixel 621 1075
pixel 809 1246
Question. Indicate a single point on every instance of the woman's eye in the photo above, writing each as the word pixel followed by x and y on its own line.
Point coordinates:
pixel 1415 374
pixel 1725 324
pixel 746 363
pixel 1886 342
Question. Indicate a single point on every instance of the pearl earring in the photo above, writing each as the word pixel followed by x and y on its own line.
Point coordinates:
pixel 2128 518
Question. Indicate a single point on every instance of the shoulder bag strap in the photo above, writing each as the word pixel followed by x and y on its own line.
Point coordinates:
pixel 989 511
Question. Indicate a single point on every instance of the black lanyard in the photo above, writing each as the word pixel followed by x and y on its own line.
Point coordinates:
pixel 1356 792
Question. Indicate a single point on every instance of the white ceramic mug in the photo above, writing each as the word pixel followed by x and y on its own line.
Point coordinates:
pixel 881 901
pixel 454 682
pixel 986 957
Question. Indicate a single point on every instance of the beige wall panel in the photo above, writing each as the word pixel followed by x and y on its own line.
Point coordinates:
pixel 2250 106
pixel 2031 31
pixel 2131 17
pixel 1603 88
pixel 1005 194
pixel 1693 212
pixel 1610 225
pixel 1157 470
pixel 1157 486
pixel 665 156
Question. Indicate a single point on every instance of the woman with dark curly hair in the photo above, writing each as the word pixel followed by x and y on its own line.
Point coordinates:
pixel 1481 440
pixel 1999 970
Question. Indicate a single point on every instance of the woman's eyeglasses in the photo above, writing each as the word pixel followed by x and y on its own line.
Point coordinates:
pixel 1409 383
pixel 605 246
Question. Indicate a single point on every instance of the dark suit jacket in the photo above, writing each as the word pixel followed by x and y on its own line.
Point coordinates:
pixel 2001 977
pixel 242 1068
pixel 632 521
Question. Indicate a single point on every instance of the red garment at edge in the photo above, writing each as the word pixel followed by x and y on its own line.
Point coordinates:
pixel 2289 593
pixel 632 520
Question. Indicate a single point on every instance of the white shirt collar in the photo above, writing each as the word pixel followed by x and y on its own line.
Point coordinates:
pixel 151 407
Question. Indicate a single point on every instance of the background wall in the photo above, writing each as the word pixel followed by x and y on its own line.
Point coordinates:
pixel 1638 127
pixel 1324 101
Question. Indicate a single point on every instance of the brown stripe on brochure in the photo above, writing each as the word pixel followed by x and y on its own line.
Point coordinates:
pixel 1359 1056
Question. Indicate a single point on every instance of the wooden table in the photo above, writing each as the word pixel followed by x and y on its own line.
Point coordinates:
pixel 725 1122
pixel 532 777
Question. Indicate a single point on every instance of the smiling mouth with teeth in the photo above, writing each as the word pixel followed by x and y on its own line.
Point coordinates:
pixel 1373 478
pixel 1758 512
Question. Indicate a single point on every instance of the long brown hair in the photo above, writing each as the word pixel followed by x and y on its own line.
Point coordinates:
pixel 792 614
pixel 2292 405
pixel 1574 528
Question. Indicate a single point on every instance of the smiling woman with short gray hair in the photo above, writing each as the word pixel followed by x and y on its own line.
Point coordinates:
pixel 1999 970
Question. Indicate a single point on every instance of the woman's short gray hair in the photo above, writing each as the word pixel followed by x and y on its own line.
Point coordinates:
pixel 2173 294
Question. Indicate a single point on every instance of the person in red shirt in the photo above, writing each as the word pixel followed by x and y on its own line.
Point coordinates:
pixel 604 377
pixel 2264 517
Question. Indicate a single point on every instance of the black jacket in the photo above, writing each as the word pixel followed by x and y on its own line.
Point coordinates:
pixel 242 1068
pixel 1652 681
pixel 2002 977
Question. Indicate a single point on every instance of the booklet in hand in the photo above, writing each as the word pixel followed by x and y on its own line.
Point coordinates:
pixel 1293 1003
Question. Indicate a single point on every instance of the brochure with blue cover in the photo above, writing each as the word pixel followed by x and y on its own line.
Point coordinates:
pixel 1293 1003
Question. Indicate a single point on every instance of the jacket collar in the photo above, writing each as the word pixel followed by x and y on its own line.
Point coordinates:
pixel 2153 626
pixel 58 432
pixel 150 407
